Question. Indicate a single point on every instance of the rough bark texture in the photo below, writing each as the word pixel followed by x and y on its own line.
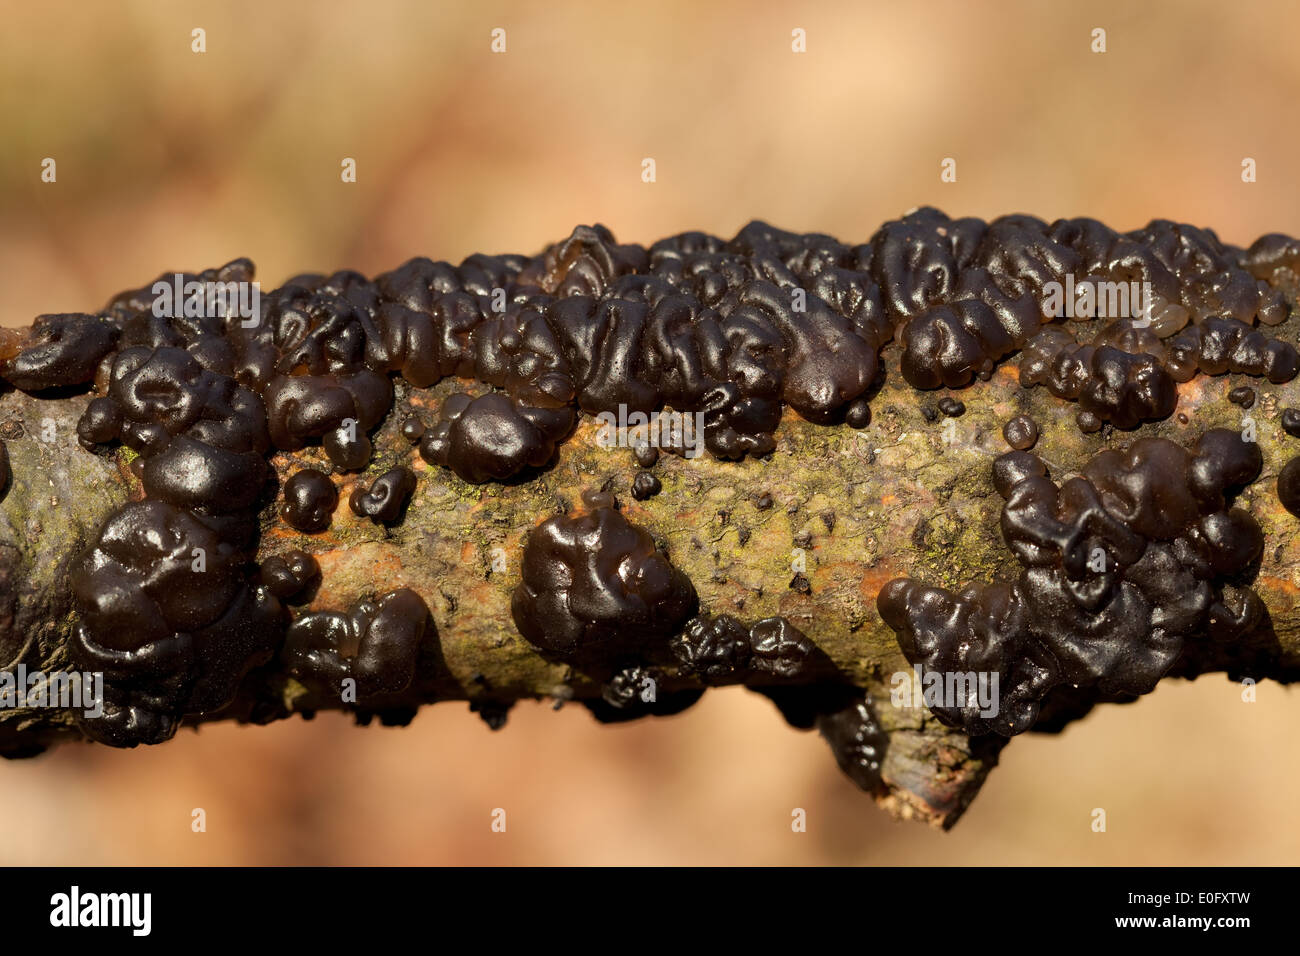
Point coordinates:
pixel 909 494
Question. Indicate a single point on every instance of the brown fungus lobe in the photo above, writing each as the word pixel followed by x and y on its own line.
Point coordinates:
pixel 1021 433
pixel 385 500
pixel 1291 421
pixel 1288 486
pixel 645 485
pixel 595 588
pixel 1122 565
pixel 1243 395
pixel 952 407
pixel 310 498
pixel 289 575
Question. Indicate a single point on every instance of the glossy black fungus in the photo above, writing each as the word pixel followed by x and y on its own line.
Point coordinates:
pixel 377 644
pixel 1243 395
pixel 168 616
pixel 65 351
pixel 594 587
pixel 779 648
pixel 1288 486
pixel 413 429
pixel 665 703
pixel 1021 433
pixel 100 423
pixel 1109 384
pixel 1088 422
pixel 717 649
pixel 708 325
pixel 721 650
pixel 858 414
pixel 1291 421
pixel 5 473
pixel 801 704
pixel 1127 374
pixel 630 685
pixel 645 485
pixel 646 455
pixel 492 438
pixel 952 407
pixel 857 741
pixel 347 448
pixel 289 575
pixel 386 498
pixel 390 644
pixel 1122 565
pixel 309 501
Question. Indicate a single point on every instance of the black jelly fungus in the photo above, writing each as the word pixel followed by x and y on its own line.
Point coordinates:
pixel 1122 565
pixel 594 586
pixel 1243 395
pixel 1291 421
pixel 645 485
pixel 413 429
pixel 1288 486
pixel 952 407
pixel 289 574
pixel 857 741
pixel 310 498
pixel 386 497
pixel 1021 433
pixel 376 643
pixel 858 414
pixel 646 454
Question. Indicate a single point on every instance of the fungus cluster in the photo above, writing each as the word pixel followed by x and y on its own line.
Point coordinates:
pixel 1122 564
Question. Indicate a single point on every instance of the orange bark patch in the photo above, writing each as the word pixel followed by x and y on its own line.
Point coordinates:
pixel 1193 391
pixel 874 580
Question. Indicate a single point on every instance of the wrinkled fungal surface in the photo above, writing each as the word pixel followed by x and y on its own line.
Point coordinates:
pixel 595 588
pixel 376 643
pixel 1123 565
pixel 386 498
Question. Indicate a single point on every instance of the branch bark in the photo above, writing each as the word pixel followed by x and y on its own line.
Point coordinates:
pixel 908 495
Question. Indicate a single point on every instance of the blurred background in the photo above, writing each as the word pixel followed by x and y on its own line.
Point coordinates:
pixel 169 159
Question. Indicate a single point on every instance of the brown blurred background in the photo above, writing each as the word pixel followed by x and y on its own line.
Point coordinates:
pixel 169 160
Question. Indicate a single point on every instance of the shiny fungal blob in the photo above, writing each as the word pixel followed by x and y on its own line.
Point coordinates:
pixel 310 498
pixel 594 587
pixel 385 500
pixel 1021 433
